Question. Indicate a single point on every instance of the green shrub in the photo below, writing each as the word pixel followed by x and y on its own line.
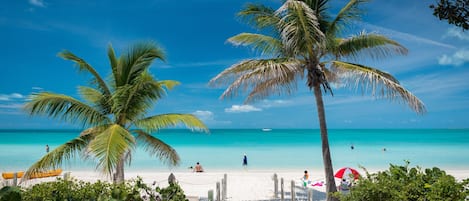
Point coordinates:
pixel 74 190
pixel 9 193
pixel 401 183
pixel 172 193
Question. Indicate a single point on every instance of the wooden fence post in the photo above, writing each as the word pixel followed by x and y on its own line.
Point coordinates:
pixel 210 195
pixel 15 178
pixel 218 197
pixel 225 188
pixel 310 194
pixel 293 194
pixel 275 185
pixel 282 192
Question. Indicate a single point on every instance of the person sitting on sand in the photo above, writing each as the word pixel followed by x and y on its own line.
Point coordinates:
pixel 344 186
pixel 198 168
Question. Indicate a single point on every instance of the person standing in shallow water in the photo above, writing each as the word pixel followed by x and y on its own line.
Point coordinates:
pixel 47 148
pixel 245 160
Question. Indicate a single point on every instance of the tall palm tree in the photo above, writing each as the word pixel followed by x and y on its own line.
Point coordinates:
pixel 301 39
pixel 113 112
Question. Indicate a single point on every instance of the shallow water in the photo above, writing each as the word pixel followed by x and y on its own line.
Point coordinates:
pixel 277 149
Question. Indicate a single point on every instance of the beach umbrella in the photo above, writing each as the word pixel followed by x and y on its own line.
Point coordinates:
pixel 347 173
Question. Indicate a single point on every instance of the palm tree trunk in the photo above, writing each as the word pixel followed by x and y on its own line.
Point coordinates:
pixel 119 175
pixel 326 154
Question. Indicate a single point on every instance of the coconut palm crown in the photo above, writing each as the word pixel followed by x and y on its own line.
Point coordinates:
pixel 300 39
pixel 114 113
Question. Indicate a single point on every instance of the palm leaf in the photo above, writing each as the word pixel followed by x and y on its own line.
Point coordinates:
pixel 110 146
pixel 114 61
pixel 134 100
pixel 379 83
pixel 83 66
pixel 348 13
pixel 137 60
pixel 259 74
pixel 261 43
pixel 259 16
pixel 56 157
pixel 157 122
pixel 299 28
pixel 373 45
pixel 65 108
pixel 157 148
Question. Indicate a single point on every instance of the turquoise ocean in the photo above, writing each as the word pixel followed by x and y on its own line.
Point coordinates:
pixel 278 149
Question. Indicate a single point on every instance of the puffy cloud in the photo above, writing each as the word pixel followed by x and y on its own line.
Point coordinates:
pixel 242 108
pixel 274 103
pixel 458 58
pixel 203 115
pixel 454 32
pixel 39 3
pixel 8 97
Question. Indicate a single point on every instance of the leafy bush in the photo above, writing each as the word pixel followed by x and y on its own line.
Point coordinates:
pixel 73 190
pixel 401 183
pixel 172 193
pixel 9 193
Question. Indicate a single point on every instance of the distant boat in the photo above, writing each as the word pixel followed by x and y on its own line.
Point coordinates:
pixel 266 129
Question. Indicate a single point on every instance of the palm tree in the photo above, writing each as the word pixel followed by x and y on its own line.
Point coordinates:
pixel 301 39
pixel 114 113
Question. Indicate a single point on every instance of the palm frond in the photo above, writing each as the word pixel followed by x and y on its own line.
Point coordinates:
pixel 168 84
pixel 299 28
pixel 137 60
pixel 110 146
pixel 259 16
pixel 95 97
pixel 56 157
pixel 114 62
pixel 347 14
pixel 281 85
pixel 83 66
pixel 260 43
pixel 157 122
pixel 379 83
pixel 65 108
pixel 134 100
pixel 158 148
pixel 248 74
pixel 374 45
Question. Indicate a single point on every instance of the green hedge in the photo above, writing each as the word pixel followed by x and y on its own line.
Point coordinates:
pixel 401 183
pixel 74 190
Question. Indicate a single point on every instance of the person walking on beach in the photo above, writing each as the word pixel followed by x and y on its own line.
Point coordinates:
pixel 245 160
pixel 47 148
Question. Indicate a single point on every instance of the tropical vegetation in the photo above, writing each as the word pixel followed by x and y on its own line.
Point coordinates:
pixel 301 39
pixel 114 113
pixel 406 183
pixel 133 190
pixel 454 11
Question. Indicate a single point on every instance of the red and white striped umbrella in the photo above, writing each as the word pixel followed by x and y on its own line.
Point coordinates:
pixel 347 172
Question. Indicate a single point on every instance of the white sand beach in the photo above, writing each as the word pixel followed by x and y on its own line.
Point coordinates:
pixel 241 185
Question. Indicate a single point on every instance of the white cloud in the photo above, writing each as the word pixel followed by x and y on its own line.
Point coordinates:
pixel 203 115
pixel 404 36
pixel 242 108
pixel 39 3
pixel 458 58
pixel 8 97
pixel 457 33
pixel 274 103
pixel 11 106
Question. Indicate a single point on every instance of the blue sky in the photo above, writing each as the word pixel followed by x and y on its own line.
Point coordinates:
pixel 193 35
